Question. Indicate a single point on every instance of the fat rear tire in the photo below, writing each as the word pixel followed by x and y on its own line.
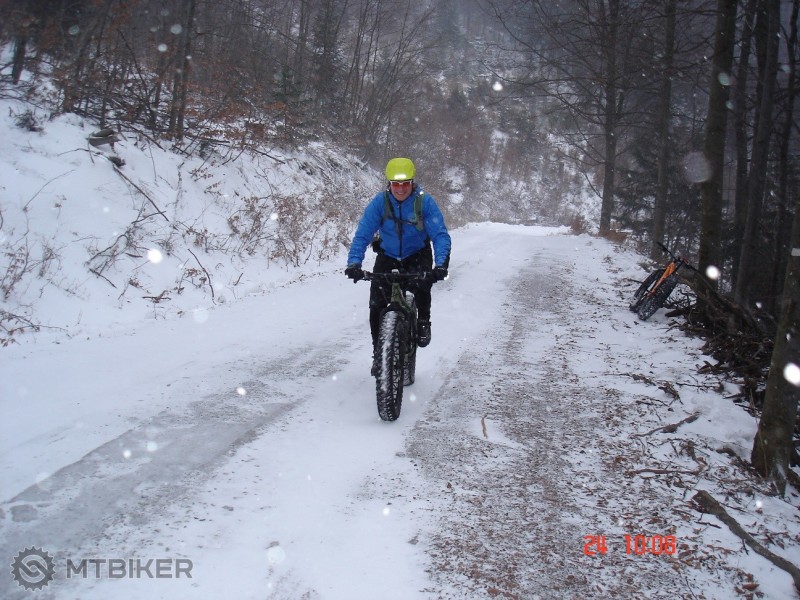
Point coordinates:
pixel 650 305
pixel 644 288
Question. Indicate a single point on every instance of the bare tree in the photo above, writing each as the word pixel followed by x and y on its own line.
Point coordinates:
pixel 326 35
pixel 784 187
pixel 177 113
pixel 589 56
pixel 773 445
pixel 714 144
pixel 740 115
pixel 761 146
pixel 386 58
pixel 663 130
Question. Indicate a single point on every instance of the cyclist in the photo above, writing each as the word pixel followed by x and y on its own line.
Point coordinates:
pixel 406 221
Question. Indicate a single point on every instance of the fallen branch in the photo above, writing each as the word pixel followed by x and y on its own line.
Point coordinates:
pixel 207 274
pixel 664 386
pixel 141 191
pixel 156 299
pixel 665 472
pixel 101 276
pixel 740 342
pixel 28 203
pixel 708 504
pixel 670 428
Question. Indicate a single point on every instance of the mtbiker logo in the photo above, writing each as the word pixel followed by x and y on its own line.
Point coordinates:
pixel 33 568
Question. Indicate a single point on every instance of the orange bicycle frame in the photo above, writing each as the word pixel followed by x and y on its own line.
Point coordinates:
pixel 668 270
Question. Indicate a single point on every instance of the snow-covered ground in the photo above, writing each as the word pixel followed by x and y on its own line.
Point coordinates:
pixel 249 443
pixel 241 438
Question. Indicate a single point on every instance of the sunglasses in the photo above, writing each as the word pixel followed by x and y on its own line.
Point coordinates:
pixel 401 184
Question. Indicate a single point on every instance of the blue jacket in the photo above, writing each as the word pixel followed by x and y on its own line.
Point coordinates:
pixel 412 240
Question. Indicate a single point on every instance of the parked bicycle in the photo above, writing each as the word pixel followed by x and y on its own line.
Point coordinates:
pixel 397 341
pixel 657 287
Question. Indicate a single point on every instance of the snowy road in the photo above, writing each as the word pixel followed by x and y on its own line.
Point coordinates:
pixel 247 442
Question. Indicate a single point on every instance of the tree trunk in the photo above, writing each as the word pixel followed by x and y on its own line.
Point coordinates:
pixel 758 165
pixel 326 29
pixel 610 118
pixel 784 158
pixel 714 146
pixel 303 26
pixel 664 113
pixel 773 446
pixel 187 67
pixel 18 60
pixel 740 132
pixel 181 83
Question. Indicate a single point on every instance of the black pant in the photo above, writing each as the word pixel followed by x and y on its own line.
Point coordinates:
pixel 381 291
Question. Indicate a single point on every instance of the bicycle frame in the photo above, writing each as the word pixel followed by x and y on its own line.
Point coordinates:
pixel 671 268
pixel 398 298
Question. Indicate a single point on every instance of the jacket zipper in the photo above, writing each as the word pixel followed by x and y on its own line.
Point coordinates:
pixel 400 227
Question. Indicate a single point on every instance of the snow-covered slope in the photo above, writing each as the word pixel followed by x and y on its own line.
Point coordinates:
pixel 86 244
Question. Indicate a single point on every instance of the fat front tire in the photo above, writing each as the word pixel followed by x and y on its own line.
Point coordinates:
pixel 644 288
pixel 650 305
pixel 389 380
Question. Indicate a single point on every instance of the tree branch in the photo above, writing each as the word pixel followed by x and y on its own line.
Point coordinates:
pixel 206 272
pixel 708 504
pixel 142 192
pixel 670 428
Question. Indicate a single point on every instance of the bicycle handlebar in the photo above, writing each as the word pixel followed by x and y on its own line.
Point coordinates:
pixel 668 251
pixel 397 276
pixel 678 259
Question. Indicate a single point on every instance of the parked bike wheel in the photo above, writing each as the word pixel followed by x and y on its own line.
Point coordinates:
pixel 646 286
pixel 650 305
pixel 389 381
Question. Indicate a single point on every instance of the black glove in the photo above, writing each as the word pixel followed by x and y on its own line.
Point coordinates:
pixel 439 273
pixel 354 272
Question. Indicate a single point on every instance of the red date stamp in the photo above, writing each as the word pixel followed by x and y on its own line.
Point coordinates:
pixel 634 544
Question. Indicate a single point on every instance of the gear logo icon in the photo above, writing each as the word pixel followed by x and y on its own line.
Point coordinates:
pixel 33 568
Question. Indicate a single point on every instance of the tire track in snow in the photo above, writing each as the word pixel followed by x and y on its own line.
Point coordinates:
pixel 133 478
pixel 516 496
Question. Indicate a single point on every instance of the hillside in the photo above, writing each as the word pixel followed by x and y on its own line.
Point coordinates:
pixel 89 231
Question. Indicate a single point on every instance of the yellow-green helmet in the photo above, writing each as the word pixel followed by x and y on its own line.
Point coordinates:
pixel 400 169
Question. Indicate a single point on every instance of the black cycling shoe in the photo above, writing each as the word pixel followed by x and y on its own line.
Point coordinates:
pixel 423 333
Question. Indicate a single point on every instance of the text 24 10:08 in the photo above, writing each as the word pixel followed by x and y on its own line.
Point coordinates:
pixel 634 544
